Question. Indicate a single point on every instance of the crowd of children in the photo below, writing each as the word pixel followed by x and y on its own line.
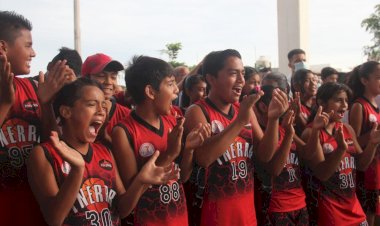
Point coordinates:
pixel 220 145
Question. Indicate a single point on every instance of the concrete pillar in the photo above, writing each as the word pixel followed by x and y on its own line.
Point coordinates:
pixel 293 30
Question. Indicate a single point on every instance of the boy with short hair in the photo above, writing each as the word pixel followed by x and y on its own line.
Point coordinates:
pixel 20 118
pixel 151 127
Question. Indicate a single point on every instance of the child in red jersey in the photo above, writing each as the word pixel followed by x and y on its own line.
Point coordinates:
pixel 337 156
pixel 151 126
pixel 104 70
pixel 305 84
pixel 22 107
pixel 287 204
pixel 365 83
pixel 76 181
pixel 226 157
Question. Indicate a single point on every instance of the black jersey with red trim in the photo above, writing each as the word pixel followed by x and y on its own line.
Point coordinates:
pixel 338 203
pixel 371 114
pixel 287 194
pixel 229 195
pixel 19 133
pixel 160 205
pixel 96 202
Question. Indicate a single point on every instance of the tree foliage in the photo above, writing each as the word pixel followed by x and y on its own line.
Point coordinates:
pixel 372 25
pixel 172 49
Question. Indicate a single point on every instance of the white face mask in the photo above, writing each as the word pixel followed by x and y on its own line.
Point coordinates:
pixel 300 65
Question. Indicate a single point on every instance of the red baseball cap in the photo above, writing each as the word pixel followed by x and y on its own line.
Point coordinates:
pixel 95 64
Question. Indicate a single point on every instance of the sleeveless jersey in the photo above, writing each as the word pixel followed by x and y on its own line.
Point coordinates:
pixel 160 205
pixel 228 196
pixel 96 202
pixel 117 113
pixel 287 193
pixel 19 132
pixel 371 114
pixel 338 204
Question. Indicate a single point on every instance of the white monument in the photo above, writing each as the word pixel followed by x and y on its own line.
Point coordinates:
pixel 293 30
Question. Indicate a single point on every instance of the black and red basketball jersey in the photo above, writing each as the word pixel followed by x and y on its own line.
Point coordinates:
pixel 287 192
pixel 96 202
pixel 305 111
pixel 117 113
pixel 371 114
pixel 338 204
pixel 160 205
pixel 228 196
pixel 18 135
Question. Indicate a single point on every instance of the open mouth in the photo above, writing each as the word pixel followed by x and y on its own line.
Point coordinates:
pixel 95 127
pixel 340 113
pixel 237 90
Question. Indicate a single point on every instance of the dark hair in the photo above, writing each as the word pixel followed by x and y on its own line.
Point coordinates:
pixel 143 71
pixel 267 97
pixel 282 82
pixel 300 77
pixel 327 71
pixel 325 92
pixel 249 72
pixel 189 83
pixel 295 52
pixel 10 25
pixel 72 92
pixel 361 71
pixel 215 61
pixel 74 61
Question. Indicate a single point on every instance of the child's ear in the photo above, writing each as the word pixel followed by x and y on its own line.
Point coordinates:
pixel 150 92
pixel 65 111
pixel 364 81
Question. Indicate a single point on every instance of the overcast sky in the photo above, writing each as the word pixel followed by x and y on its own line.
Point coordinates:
pixel 123 28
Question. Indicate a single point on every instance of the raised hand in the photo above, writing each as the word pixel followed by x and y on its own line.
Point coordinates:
pixel 7 91
pixel 339 137
pixel 59 75
pixel 196 137
pixel 374 136
pixel 321 119
pixel 150 173
pixel 175 138
pixel 295 104
pixel 246 105
pixel 287 122
pixel 73 157
pixel 278 105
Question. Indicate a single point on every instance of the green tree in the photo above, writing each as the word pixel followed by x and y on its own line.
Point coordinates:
pixel 372 25
pixel 172 49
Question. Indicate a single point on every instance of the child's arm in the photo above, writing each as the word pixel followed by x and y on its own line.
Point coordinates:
pixel 300 121
pixel 58 76
pixel 7 90
pixel 174 145
pixel 149 174
pixel 124 155
pixel 268 145
pixel 213 147
pixel 193 140
pixel 55 202
pixel 276 164
pixel 366 156
pixel 356 122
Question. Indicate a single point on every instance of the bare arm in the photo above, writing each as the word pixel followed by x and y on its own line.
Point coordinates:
pixel 7 90
pixel 55 202
pixel 213 147
pixel 276 164
pixel 268 145
pixel 356 122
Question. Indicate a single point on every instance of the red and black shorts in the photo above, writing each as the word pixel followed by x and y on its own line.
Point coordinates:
pixel 297 218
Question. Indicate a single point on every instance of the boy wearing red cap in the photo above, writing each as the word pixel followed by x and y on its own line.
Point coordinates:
pixel 104 70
